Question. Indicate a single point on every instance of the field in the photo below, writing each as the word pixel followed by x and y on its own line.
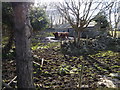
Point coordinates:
pixel 118 34
pixel 53 71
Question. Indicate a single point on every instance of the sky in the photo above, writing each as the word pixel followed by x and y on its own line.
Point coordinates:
pixel 48 1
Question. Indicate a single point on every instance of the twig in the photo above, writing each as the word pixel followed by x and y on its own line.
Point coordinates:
pixel 12 80
pixel 42 62
pixel 36 63
pixel 5 85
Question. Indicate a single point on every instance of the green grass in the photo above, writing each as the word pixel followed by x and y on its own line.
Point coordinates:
pixel 118 33
pixel 42 46
pixel 4 40
pixel 105 53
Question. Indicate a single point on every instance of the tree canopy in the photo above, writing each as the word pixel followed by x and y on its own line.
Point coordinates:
pixel 7 16
pixel 101 20
pixel 38 18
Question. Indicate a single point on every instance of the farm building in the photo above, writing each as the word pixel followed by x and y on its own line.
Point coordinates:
pixel 90 32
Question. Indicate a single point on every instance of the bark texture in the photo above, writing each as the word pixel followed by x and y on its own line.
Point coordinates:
pixel 24 63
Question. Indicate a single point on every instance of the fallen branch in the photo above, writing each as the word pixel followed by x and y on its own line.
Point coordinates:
pixel 36 63
pixel 5 85
pixel 42 62
pixel 12 80
pixel 8 85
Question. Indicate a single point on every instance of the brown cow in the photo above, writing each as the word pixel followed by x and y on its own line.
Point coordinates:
pixel 61 35
pixel 56 35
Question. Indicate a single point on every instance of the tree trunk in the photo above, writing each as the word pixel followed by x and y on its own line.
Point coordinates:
pixel 112 33
pixel 51 26
pixel 78 36
pixel 74 37
pixel 24 65
pixel 115 32
pixel 78 41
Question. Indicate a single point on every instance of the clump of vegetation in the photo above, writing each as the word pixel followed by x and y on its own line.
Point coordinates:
pixel 88 46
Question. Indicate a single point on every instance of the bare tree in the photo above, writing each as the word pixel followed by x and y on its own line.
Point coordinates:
pixel 114 17
pixel 51 13
pixel 80 13
pixel 109 17
pixel 22 29
pixel 118 15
